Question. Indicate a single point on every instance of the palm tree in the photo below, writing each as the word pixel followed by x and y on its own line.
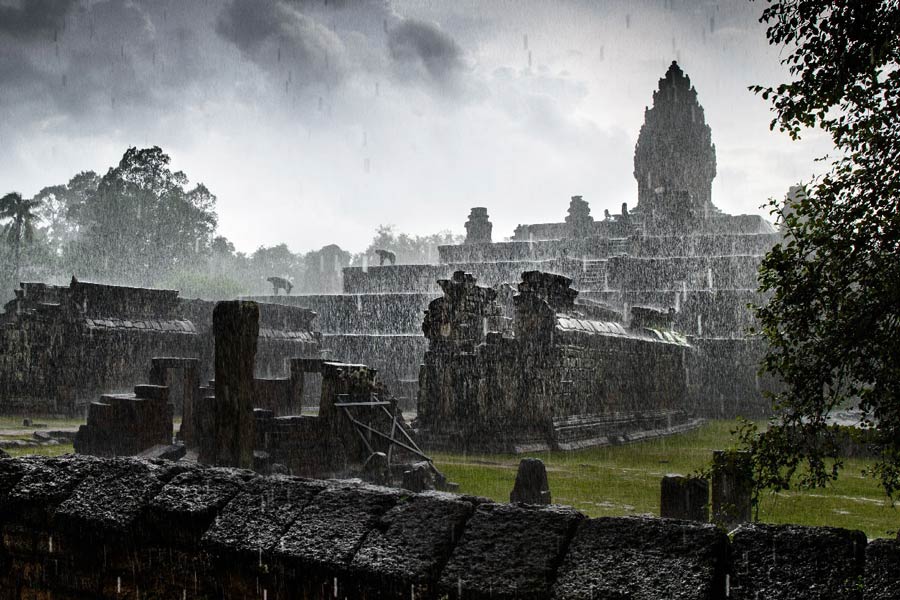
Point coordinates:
pixel 20 228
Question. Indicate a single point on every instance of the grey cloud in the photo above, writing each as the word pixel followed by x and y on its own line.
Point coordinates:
pixel 34 17
pixel 278 37
pixel 417 45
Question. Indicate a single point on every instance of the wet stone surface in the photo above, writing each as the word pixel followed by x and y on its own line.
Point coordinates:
pixel 509 551
pixel 328 531
pixel 111 499
pixel 644 559
pixel 413 540
pixel 43 487
pixel 882 579
pixel 185 508
pixel 252 523
pixel 794 562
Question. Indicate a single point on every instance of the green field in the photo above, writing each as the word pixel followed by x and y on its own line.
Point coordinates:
pixel 624 480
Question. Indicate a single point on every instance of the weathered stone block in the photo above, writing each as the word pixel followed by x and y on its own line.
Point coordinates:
pixel 411 543
pixel 531 486
pixel 643 559
pixel 732 487
pixel 252 523
pixel 43 487
pixel 882 573
pixel 184 509
pixel 328 531
pixel 684 498
pixel 509 551
pixel 794 562
pixel 111 499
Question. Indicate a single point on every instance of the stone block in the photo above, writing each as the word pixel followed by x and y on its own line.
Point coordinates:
pixel 252 523
pixel 111 499
pixel 328 531
pixel 185 507
pixel 732 488
pixel 44 487
pixel 531 486
pixel 411 542
pixel 684 498
pixel 882 573
pixel 643 559
pixel 793 562
pixel 509 551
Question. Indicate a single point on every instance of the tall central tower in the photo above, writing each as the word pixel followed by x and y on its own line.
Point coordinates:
pixel 675 153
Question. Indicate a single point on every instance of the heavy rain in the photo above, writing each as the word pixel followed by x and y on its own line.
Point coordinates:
pixel 405 299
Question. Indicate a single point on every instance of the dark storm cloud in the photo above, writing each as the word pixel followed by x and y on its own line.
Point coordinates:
pixel 278 37
pixel 34 17
pixel 416 45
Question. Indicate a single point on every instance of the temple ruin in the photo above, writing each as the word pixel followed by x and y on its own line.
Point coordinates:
pixel 673 251
pixel 61 346
pixel 543 373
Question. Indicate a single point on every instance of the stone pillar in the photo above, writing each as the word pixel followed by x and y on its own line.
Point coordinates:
pixel 684 498
pixel 531 485
pixel 478 227
pixel 579 220
pixel 236 328
pixel 732 487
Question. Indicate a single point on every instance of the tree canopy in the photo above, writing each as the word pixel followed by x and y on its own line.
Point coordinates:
pixel 833 320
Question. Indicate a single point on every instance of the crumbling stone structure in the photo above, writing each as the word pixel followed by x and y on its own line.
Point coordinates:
pixel 60 346
pixel 548 376
pixel 127 424
pixel 673 250
pixel 81 527
pixel 478 227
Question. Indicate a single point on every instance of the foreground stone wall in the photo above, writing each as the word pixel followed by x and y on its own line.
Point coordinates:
pixel 79 527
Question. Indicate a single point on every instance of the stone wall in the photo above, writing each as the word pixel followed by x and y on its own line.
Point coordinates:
pixel 60 346
pixel 548 376
pixel 78 527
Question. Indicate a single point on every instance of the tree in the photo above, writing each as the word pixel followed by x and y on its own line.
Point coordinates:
pixel 833 320
pixel 143 223
pixel 20 229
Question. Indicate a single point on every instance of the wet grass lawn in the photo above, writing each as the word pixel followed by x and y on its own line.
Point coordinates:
pixel 624 480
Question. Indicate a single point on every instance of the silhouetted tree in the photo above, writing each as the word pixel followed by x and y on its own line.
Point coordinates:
pixel 833 321
pixel 143 223
pixel 20 228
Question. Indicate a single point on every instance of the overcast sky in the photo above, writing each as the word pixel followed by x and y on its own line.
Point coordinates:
pixel 314 121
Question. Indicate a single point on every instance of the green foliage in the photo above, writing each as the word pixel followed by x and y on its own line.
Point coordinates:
pixel 833 321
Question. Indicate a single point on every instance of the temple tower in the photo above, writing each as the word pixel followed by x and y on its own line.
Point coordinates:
pixel 674 152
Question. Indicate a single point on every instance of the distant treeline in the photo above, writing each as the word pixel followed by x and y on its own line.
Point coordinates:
pixel 143 224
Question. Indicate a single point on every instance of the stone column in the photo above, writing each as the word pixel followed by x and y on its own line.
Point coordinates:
pixel 236 328
pixel 684 498
pixel 732 487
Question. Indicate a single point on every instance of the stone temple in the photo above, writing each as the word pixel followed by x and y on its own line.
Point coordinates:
pixel 587 331
pixel 674 252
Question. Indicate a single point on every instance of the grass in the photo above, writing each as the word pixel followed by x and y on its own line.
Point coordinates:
pixel 624 480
